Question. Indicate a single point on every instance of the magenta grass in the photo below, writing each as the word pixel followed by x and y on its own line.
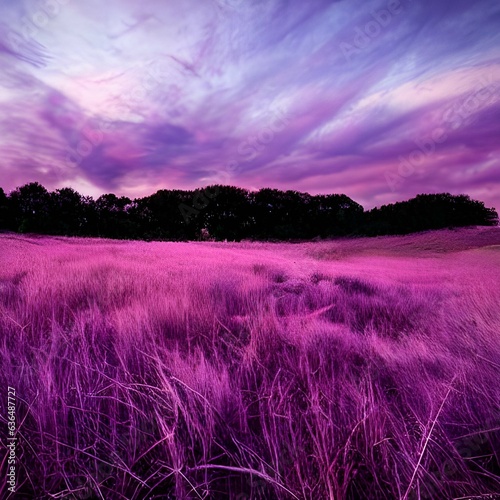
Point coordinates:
pixel 364 368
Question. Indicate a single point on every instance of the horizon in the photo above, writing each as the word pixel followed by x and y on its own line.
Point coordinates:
pixel 379 101
pixel 250 249
pixel 203 188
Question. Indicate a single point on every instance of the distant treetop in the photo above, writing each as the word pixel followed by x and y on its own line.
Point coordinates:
pixel 230 213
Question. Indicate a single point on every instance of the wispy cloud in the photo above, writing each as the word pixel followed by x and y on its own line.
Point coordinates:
pixel 131 97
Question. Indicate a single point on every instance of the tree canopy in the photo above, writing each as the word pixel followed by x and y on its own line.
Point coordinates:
pixel 229 213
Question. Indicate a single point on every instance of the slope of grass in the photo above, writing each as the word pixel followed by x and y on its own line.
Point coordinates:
pixel 199 370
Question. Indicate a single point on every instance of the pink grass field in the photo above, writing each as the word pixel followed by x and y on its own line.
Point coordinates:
pixel 346 369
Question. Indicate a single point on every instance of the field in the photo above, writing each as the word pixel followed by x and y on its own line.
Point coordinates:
pixel 364 368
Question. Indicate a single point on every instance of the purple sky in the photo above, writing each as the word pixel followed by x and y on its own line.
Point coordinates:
pixel 130 96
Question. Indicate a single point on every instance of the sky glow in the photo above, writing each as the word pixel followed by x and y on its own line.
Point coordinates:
pixel 380 100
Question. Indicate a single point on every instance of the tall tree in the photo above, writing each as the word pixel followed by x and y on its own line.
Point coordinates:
pixel 68 212
pixel 112 216
pixel 160 218
pixel 30 208
pixel 226 214
pixel 335 215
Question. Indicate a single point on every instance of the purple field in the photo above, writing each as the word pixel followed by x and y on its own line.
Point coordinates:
pixel 348 369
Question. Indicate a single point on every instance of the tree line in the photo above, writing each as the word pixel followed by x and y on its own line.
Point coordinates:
pixel 229 213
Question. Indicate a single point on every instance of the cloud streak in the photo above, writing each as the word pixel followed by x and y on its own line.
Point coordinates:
pixel 131 98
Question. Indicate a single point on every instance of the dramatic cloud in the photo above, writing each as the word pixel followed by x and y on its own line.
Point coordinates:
pixel 379 99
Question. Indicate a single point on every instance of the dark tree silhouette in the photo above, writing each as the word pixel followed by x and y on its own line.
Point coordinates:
pixel 232 213
pixel 30 209
pixel 227 214
pixel 428 211
pixel 336 215
pixel 112 216
pixel 280 214
pixel 68 212
pixel 159 218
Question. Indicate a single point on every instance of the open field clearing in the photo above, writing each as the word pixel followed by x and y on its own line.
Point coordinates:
pixel 364 368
